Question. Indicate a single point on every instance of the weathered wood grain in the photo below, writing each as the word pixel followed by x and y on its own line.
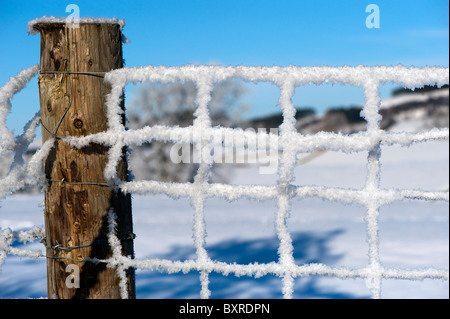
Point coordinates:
pixel 77 214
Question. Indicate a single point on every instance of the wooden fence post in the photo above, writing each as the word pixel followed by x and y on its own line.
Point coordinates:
pixel 77 200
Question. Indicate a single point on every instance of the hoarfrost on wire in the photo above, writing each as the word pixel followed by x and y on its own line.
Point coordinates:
pixel 203 136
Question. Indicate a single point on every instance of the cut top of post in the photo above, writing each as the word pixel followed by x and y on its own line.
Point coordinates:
pixel 33 29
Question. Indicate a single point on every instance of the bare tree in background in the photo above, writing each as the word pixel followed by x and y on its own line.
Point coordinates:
pixel 174 105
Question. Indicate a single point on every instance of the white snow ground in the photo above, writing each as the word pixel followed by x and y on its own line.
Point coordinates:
pixel 413 234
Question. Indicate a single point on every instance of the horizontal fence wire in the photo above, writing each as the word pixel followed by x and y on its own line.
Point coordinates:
pixel 204 137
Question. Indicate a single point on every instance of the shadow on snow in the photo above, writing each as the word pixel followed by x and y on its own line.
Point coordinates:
pixel 308 248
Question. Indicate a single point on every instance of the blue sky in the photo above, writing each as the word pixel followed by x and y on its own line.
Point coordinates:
pixel 243 32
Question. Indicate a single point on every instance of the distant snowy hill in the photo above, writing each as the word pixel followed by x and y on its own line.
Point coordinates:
pixel 426 108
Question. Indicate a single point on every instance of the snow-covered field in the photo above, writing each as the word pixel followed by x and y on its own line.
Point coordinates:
pixel 413 234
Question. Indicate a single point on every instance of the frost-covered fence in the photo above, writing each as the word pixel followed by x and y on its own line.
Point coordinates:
pixel 204 137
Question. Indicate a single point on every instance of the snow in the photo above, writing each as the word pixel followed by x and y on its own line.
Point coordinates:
pixel 87 20
pixel 415 97
pixel 313 259
pixel 413 234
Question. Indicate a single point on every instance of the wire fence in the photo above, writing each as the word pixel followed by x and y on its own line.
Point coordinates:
pixel 289 142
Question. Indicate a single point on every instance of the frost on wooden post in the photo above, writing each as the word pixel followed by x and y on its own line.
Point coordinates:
pixel 32 30
pixel 202 135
